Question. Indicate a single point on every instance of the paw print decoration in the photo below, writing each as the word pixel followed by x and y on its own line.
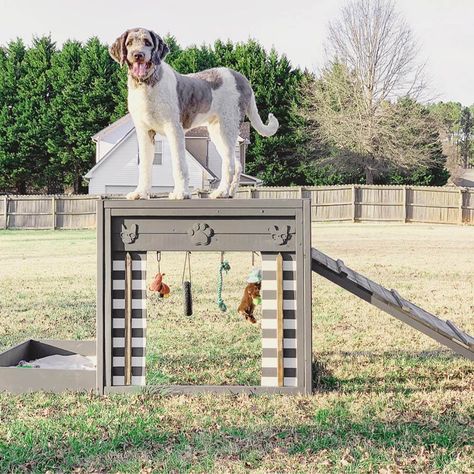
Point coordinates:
pixel 200 233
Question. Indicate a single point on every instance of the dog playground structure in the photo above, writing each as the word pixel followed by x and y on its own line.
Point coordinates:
pixel 279 229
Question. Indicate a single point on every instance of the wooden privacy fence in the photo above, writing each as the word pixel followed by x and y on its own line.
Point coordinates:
pixel 47 212
pixel 356 203
pixel 359 203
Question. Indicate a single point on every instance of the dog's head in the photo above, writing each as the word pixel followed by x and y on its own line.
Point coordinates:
pixel 253 290
pixel 140 49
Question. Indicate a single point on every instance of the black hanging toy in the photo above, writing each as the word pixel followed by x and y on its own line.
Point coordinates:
pixel 187 294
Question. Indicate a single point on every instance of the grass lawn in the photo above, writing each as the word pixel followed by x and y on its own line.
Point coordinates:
pixel 388 399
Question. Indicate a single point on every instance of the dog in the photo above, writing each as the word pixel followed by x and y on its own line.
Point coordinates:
pixel 160 100
pixel 247 305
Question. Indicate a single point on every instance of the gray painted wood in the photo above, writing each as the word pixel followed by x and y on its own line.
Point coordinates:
pixel 237 225
pixel 22 380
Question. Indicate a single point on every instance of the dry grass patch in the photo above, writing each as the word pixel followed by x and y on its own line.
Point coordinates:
pixel 389 399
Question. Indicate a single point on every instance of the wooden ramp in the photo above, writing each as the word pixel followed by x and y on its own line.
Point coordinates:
pixel 445 332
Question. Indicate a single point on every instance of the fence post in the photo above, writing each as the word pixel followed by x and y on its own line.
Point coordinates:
pixel 300 192
pixel 53 211
pixel 5 212
pixel 404 201
pixel 461 205
pixel 353 203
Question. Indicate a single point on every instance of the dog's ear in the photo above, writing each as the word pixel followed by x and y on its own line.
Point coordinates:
pixel 118 50
pixel 160 49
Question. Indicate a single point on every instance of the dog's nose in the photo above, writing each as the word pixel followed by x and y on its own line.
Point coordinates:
pixel 138 56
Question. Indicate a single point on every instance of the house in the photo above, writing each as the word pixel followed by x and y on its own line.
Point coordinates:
pixel 116 168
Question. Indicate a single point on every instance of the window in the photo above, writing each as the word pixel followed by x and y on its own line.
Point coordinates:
pixel 158 158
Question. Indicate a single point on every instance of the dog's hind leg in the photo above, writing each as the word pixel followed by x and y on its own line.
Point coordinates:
pixel 224 136
pixel 146 150
pixel 175 135
pixel 234 185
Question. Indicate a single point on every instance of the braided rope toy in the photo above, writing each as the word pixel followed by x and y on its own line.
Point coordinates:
pixel 220 302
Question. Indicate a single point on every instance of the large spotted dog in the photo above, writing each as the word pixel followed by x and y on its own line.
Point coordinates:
pixel 162 101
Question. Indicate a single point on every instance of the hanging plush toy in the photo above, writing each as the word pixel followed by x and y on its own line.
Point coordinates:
pixel 157 285
pixel 251 296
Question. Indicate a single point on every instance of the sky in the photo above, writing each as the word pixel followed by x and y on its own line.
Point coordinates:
pixel 444 29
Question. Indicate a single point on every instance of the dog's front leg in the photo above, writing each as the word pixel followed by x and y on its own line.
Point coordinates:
pixel 175 137
pixel 146 150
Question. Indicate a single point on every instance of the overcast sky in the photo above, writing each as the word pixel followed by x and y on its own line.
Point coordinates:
pixel 444 28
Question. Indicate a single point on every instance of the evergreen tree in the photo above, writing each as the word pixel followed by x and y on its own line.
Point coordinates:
pixel 34 120
pixel 86 82
pixel 68 92
pixel 14 172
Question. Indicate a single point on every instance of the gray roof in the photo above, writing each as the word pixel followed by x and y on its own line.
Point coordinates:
pixel 127 124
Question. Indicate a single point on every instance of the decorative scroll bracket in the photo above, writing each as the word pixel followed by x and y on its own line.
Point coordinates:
pixel 200 233
pixel 129 235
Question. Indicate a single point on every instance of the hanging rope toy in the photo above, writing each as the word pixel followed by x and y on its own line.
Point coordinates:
pixel 187 295
pixel 224 266
pixel 157 284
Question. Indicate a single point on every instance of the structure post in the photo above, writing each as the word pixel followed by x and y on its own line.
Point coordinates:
pixel 461 205
pixel 279 298
pixel 128 319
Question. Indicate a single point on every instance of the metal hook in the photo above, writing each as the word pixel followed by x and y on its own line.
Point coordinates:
pixel 158 259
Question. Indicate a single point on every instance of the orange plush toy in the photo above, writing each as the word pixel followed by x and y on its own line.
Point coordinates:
pixel 157 285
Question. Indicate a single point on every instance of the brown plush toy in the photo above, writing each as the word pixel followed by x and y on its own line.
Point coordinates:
pixel 250 298
pixel 157 285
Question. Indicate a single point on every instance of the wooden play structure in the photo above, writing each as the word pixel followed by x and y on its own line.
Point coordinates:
pixel 280 230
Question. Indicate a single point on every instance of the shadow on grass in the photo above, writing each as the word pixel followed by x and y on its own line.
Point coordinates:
pixel 94 445
pixel 391 371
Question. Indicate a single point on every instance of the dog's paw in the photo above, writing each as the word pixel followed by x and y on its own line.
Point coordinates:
pixel 138 194
pixel 250 318
pixel 233 190
pixel 219 193
pixel 179 195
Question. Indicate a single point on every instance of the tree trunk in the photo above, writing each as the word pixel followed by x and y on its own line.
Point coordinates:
pixel 20 187
pixel 369 175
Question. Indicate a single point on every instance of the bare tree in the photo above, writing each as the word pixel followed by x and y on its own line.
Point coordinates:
pixel 356 101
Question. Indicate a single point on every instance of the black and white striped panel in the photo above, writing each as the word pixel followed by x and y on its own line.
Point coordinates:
pixel 138 317
pixel 269 320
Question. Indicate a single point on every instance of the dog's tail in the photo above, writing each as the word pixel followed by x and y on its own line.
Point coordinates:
pixel 265 130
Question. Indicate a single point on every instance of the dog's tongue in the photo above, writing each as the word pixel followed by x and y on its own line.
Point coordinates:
pixel 139 69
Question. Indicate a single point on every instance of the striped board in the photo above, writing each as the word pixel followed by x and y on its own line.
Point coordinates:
pixel 269 295
pixel 138 336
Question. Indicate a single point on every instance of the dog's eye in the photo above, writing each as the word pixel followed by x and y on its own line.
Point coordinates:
pixel 128 43
pixel 147 43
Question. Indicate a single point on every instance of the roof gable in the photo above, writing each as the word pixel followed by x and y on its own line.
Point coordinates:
pixel 125 124
pixel 130 133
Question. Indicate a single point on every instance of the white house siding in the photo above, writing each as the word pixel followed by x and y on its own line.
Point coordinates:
pixel 102 149
pixel 215 160
pixel 118 174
